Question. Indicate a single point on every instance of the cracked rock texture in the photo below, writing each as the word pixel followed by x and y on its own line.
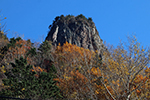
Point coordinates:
pixel 75 30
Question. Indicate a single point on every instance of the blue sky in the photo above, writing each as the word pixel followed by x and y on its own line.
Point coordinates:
pixel 114 19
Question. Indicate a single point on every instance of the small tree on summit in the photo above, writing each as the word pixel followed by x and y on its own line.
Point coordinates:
pixel 90 19
pixel 81 16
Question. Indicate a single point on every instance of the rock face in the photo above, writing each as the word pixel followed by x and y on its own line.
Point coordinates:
pixel 75 30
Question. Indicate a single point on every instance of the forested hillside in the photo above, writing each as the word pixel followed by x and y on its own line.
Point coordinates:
pixel 70 72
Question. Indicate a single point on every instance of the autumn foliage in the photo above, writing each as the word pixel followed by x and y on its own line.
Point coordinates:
pixel 120 73
pixel 72 63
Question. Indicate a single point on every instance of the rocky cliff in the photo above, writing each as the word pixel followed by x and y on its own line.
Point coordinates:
pixel 76 30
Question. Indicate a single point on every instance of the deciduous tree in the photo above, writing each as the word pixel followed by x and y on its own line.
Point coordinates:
pixel 124 71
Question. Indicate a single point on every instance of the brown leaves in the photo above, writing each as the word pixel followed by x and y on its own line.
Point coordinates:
pixel 38 70
pixel 126 66
pixel 74 65
pixel 72 82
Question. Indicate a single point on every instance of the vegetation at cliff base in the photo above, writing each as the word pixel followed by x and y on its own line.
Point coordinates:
pixel 69 72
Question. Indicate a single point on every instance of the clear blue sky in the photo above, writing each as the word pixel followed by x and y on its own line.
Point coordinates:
pixel 114 19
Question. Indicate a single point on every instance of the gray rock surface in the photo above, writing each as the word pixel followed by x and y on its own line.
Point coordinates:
pixel 75 30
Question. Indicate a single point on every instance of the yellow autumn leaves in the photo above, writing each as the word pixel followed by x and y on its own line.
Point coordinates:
pixel 2 69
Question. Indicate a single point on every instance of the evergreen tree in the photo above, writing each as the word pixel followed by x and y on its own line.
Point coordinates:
pixel 21 82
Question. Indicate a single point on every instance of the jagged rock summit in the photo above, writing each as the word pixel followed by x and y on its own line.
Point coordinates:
pixel 75 30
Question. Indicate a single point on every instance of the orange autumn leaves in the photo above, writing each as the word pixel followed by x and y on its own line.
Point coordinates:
pixel 71 62
pixel 76 65
pixel 78 71
pixel 17 49
pixel 140 79
pixel 38 70
pixel 20 49
pixel 73 53
pixel 73 82
pixel 96 71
